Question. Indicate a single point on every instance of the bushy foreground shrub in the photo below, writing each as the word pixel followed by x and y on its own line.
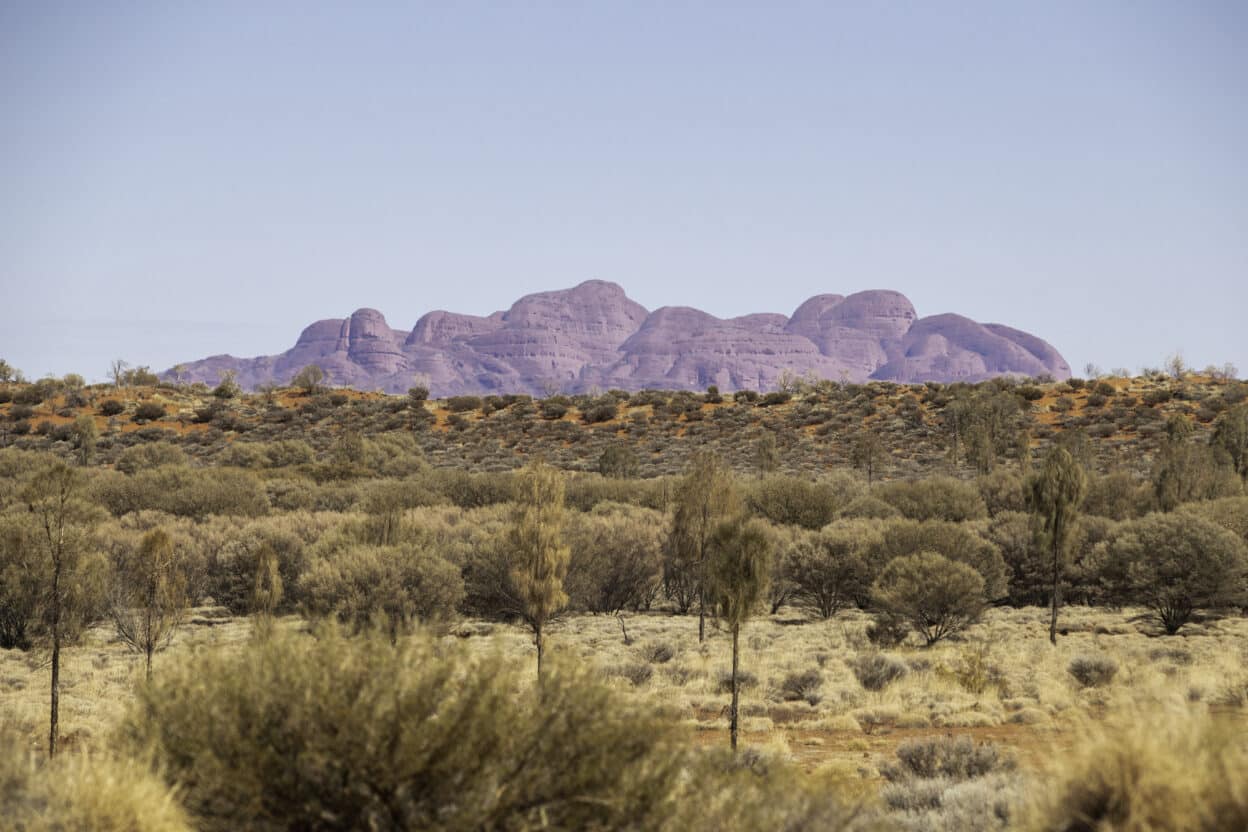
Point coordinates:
pixel 79 792
pixel 1177 771
pixel 395 586
pixel 329 732
pixel 948 783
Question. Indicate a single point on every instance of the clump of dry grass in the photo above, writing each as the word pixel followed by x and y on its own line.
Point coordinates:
pixel 1093 671
pixel 876 671
pixel 79 791
pixel 1176 770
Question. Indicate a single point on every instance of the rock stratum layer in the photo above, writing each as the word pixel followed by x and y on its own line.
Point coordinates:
pixel 594 336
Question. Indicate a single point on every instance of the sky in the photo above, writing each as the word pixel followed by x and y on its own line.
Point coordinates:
pixel 185 179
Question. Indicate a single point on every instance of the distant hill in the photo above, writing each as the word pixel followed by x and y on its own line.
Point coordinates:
pixel 594 336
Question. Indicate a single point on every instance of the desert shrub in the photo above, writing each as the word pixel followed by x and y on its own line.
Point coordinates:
pixel 1173 770
pixel 554 408
pixel 586 492
pixel 600 411
pixel 489 588
pixel 829 570
pixel 463 404
pixel 21 583
pixel 794 501
pixel 468 490
pixel 802 686
pixel 1118 496
pixel 887 630
pixel 32 394
pixel 359 734
pixel 187 492
pixel 937 596
pixel 637 673
pixel 617 558
pixel 101 793
pixel 149 412
pixel 1174 564
pixel 20 412
pixel 1093 671
pixel 1001 490
pixel 745 680
pixel 867 507
pixel 876 671
pixel 233 553
pixel 395 586
pixel 1231 513
pixel 1014 535
pixel 958 758
pixel 149 455
pixel 957 541
pixel 660 653
pixel 934 498
pixel 1174 655
pixel 775 398
pixel 1030 393
pixel 618 462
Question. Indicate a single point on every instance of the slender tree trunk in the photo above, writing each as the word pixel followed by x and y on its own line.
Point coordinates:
pixel 537 631
pixel 732 713
pixel 1057 553
pixel 148 650
pixel 701 616
pixel 702 594
pixel 56 693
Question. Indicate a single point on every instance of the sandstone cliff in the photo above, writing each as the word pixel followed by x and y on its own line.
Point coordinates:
pixel 594 336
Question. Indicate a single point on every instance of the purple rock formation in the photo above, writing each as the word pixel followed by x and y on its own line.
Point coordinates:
pixel 594 336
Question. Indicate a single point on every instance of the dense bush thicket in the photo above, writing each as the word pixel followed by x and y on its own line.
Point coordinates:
pixel 360 734
pixel 364 524
pixel 362 528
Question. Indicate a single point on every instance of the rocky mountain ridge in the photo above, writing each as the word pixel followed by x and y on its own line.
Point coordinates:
pixel 594 336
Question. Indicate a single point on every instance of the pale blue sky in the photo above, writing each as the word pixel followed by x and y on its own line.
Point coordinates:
pixel 180 179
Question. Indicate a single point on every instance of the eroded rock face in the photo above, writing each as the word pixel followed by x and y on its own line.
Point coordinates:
pixel 594 336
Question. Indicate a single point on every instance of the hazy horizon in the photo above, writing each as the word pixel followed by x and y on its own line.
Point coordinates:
pixel 183 182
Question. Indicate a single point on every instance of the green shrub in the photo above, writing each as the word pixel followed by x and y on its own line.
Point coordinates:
pixel 771 399
pixel 100 793
pixel 463 404
pixel 602 411
pixel 957 541
pixel 792 501
pixel 149 412
pixel 20 412
pixel 876 671
pixel 959 758
pixel 391 586
pixel 326 732
pixel 617 558
pixel 802 686
pixel 1150 771
pixel 935 498
pixel 149 455
pixel 1093 671
pixel 867 507
pixel 936 595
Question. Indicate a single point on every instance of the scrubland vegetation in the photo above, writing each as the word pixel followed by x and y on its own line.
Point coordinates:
pixel 1005 606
